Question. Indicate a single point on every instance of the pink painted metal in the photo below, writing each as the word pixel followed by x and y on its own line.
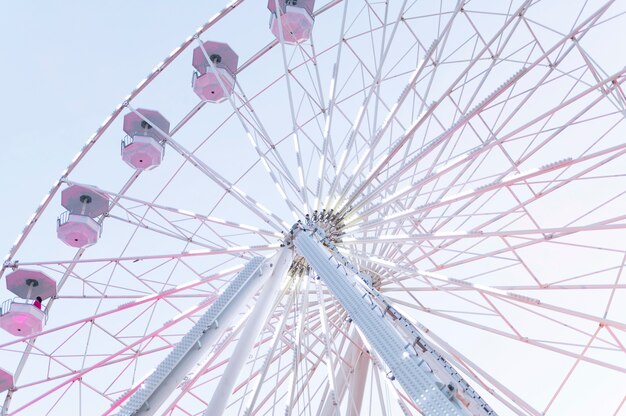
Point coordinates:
pixel 295 20
pixel 77 376
pixel 81 200
pixel 221 55
pixel 28 284
pixel 208 87
pixel 142 152
pixel 22 319
pixel 6 380
pixel 78 231
pixel 214 84
pixel 134 125
pixel 146 129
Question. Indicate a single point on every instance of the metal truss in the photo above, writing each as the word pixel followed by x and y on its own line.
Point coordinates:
pixel 435 386
pixel 152 392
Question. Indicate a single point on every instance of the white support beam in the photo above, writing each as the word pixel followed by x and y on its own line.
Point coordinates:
pixel 269 358
pixel 351 375
pixel 277 269
pixel 329 350
pixel 423 373
pixel 297 352
pixel 399 356
pixel 356 388
pixel 157 387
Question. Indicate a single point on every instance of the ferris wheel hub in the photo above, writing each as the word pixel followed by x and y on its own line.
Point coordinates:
pixel 331 223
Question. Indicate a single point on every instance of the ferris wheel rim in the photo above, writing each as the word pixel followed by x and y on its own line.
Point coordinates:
pixel 119 110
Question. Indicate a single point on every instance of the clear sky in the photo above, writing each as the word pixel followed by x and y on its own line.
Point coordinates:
pixel 65 66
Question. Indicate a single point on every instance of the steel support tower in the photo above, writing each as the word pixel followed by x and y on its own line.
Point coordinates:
pixel 424 374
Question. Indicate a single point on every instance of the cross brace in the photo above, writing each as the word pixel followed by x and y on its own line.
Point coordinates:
pixel 433 384
pixel 154 390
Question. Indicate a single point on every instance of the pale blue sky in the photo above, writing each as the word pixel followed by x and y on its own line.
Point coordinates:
pixel 66 65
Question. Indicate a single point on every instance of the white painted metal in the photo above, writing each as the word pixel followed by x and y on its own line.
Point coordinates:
pixel 276 271
pixel 436 115
pixel 399 356
pixel 442 371
pixel 157 386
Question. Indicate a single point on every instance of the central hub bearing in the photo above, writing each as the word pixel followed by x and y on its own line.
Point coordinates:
pixel 332 223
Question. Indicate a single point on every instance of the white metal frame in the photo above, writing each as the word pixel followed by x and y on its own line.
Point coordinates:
pixel 448 169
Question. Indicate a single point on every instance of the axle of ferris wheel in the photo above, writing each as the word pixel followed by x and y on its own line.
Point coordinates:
pixel 424 374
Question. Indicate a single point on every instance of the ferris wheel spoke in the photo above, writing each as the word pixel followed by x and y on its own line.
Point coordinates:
pixel 439 43
pixel 543 193
pixel 410 86
pixel 513 209
pixel 246 200
pixel 373 122
pixel 553 319
pixel 504 294
pixel 235 251
pixel 77 375
pixel 551 232
pixel 355 128
pixel 613 153
pixel 530 341
pixel 181 215
pixel 278 166
pixel 327 149
pixel 458 211
pixel 293 113
pixel 473 155
pixel 409 213
pixel 249 134
pixel 579 30
pixel 204 235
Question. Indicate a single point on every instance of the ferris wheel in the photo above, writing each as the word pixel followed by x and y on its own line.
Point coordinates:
pixel 376 208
